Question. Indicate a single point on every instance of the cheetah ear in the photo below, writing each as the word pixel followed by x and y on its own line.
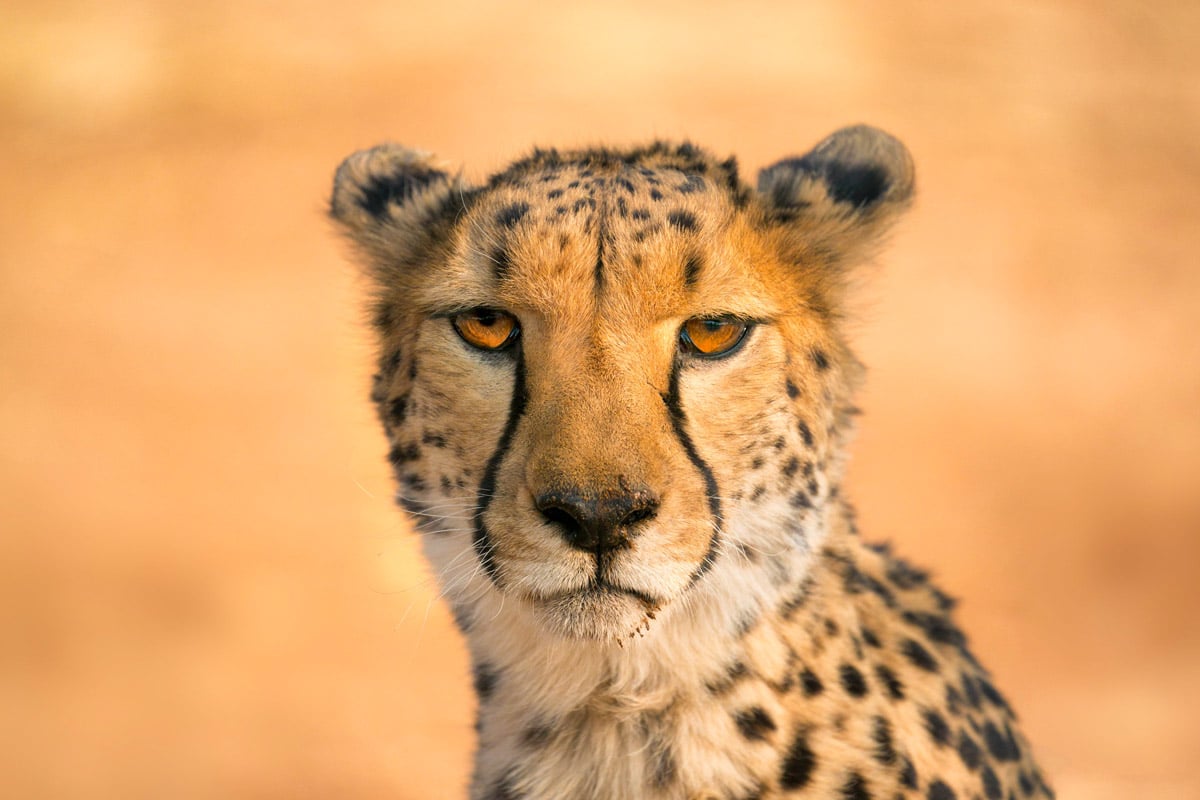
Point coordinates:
pixel 381 186
pixel 844 194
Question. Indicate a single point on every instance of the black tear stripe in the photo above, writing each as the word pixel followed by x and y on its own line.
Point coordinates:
pixel 678 422
pixel 481 539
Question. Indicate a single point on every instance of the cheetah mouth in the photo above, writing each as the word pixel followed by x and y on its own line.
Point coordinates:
pixel 597 593
pixel 600 589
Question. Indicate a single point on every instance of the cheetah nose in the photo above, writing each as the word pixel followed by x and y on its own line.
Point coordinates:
pixel 597 523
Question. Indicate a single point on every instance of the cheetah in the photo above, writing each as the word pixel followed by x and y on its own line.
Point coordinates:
pixel 618 393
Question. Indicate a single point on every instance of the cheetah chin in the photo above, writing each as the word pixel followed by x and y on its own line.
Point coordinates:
pixel 618 393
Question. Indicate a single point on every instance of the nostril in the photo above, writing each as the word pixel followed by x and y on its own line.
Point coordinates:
pixel 639 515
pixel 560 516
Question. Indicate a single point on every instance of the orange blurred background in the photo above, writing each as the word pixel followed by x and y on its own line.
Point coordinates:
pixel 205 591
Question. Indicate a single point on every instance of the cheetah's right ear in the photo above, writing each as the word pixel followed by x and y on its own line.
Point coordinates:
pixel 385 198
pixel 843 195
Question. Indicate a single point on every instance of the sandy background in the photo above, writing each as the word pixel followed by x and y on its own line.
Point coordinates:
pixel 204 589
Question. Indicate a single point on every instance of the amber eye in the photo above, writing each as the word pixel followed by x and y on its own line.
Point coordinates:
pixel 486 328
pixel 709 338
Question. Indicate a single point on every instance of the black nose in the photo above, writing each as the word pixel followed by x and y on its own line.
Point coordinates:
pixel 597 523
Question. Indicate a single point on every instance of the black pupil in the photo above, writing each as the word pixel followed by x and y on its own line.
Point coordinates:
pixel 713 325
pixel 487 318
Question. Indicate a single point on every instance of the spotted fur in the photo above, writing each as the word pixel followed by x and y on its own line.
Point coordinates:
pixel 648 551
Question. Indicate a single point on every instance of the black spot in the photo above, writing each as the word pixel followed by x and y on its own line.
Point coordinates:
pixel 754 723
pixel 940 791
pixel 805 433
pixel 582 203
pixel 819 359
pixel 968 750
pixel 413 506
pixel 831 627
pixel 798 764
pixel 381 190
pixel 792 391
pixel 656 195
pixel 779 443
pixel 510 215
pixel 1001 747
pixel 852 680
pixel 398 409
pixel 734 673
pixel 991 785
pixel 537 735
pixel 691 270
pixel 992 694
pixel 915 652
pixel 908 773
pixel 881 732
pixel 485 680
pixel 1026 783
pixel 683 220
pixel 954 700
pixel 904 575
pixel 641 214
pixel 626 184
pixel 857 184
pixel 789 469
pixel 810 683
pixel 573 185
pixel 856 581
pixel 694 183
pixel 403 453
pixel 939 731
pixel 855 788
pixel 937 627
pixel 870 638
pixel 971 691
pixel 554 194
pixel 801 500
pixel 432 438
pixel 796 601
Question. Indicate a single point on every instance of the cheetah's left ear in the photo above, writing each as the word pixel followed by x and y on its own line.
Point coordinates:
pixel 844 194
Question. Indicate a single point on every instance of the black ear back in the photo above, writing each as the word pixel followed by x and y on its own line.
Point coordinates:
pixel 372 185
pixel 857 173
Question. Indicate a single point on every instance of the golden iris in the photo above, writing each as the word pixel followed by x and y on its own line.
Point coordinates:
pixel 711 337
pixel 486 328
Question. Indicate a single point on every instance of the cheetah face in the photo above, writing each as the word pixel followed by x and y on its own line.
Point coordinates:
pixel 606 375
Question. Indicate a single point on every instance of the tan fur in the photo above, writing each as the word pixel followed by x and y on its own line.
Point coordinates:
pixel 692 674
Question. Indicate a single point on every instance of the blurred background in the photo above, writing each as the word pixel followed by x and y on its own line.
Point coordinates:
pixel 205 591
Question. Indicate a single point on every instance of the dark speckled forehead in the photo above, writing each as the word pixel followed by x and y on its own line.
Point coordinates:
pixel 638 229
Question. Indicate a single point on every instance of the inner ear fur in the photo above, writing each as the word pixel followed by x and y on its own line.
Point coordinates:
pixel 836 202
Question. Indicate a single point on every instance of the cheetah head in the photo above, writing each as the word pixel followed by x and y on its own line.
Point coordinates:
pixel 614 379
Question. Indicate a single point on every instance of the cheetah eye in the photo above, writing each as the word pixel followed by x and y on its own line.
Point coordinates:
pixel 486 328
pixel 711 338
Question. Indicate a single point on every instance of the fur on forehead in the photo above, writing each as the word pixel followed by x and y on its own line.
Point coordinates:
pixel 821 213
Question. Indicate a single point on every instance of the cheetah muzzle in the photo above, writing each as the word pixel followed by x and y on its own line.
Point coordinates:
pixel 618 393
